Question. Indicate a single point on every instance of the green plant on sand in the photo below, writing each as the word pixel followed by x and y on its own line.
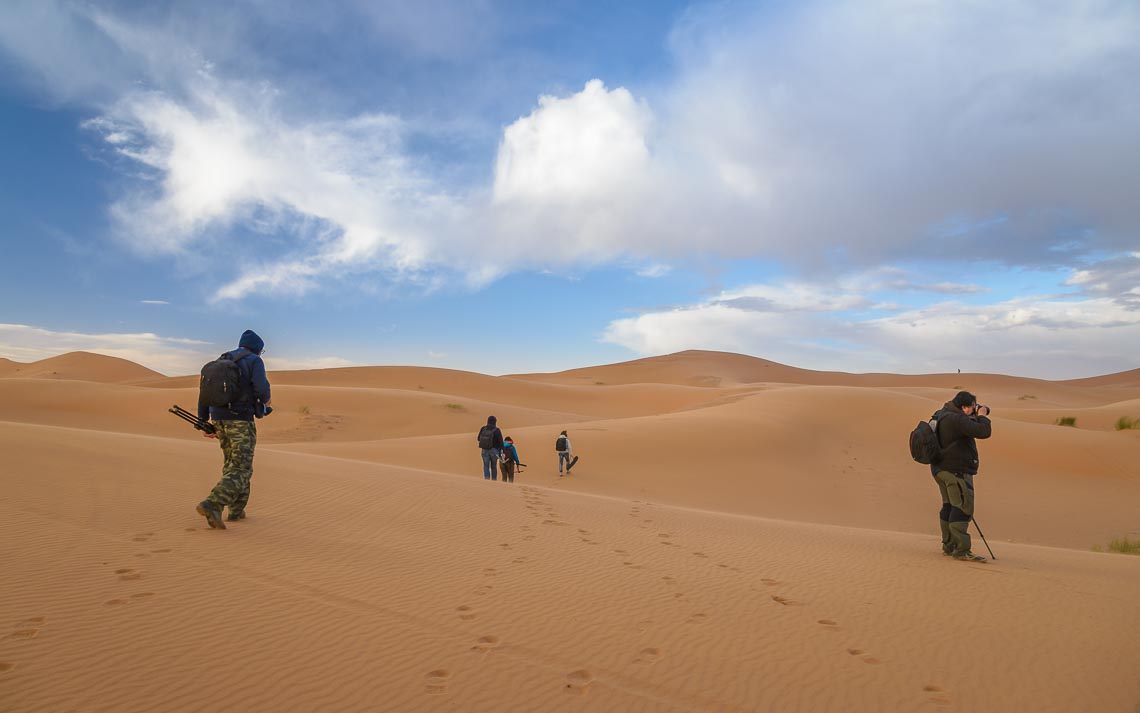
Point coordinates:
pixel 1123 545
pixel 1125 423
pixel 1067 421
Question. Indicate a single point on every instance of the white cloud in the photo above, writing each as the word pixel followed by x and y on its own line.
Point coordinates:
pixel 168 355
pixel 813 326
pixel 655 270
pixel 814 133
pixel 274 362
pixel 154 302
pixel 580 149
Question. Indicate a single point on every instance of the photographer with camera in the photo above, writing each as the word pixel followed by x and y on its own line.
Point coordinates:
pixel 960 422
pixel 237 380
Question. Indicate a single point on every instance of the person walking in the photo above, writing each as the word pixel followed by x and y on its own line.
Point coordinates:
pixel 960 422
pixel 236 432
pixel 490 440
pixel 565 452
pixel 510 460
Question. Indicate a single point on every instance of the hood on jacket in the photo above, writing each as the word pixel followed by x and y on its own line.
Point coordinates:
pixel 251 341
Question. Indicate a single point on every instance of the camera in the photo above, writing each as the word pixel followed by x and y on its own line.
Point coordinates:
pixel 978 409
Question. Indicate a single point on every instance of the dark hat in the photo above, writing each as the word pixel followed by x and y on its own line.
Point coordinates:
pixel 251 341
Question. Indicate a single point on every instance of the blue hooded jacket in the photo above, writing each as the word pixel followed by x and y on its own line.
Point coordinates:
pixel 252 368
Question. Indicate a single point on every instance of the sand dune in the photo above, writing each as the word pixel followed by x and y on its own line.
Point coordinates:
pixel 83 366
pixel 740 535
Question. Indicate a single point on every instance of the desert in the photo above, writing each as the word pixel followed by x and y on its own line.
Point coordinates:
pixel 740 535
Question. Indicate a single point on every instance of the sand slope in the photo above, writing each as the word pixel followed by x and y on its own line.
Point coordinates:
pixel 362 588
pixel 83 366
pixel 739 536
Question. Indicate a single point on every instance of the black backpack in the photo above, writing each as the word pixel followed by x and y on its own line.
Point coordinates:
pixel 487 437
pixel 924 445
pixel 223 384
pixel 560 444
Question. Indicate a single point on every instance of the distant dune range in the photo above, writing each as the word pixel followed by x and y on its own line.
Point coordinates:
pixel 740 535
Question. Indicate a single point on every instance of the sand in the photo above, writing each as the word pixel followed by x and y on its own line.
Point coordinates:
pixel 738 536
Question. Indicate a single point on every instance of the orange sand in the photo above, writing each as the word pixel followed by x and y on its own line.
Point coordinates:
pixel 740 535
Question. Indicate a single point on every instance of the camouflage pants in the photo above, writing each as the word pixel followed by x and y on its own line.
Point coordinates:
pixel 238 439
pixel 957 509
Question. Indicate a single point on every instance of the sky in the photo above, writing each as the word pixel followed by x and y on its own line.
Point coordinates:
pixel 906 186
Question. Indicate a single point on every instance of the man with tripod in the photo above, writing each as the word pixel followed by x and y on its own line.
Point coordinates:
pixel 960 422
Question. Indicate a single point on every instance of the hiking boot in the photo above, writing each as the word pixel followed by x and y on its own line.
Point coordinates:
pixel 235 516
pixel 969 557
pixel 212 513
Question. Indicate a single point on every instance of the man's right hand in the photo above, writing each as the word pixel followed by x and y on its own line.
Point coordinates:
pixel 209 435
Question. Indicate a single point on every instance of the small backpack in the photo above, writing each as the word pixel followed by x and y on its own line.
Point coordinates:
pixel 222 383
pixel 487 437
pixel 924 445
pixel 560 444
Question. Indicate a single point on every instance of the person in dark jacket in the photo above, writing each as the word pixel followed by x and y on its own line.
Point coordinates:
pixel 960 422
pixel 490 441
pixel 237 434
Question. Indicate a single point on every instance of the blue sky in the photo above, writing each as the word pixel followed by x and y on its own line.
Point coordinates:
pixel 882 185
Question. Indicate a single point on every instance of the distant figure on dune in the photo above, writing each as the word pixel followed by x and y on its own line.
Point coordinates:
pixel 234 390
pixel 960 421
pixel 565 452
pixel 490 441
pixel 509 460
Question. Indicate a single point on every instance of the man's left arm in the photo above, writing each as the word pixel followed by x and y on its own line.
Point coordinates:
pixel 260 382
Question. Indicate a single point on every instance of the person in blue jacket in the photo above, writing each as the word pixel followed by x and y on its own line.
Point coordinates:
pixel 510 460
pixel 236 432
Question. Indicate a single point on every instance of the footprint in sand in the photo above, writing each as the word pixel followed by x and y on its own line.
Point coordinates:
pixel 698 618
pixel 485 644
pixel 940 697
pixel 437 681
pixel 783 600
pixel 483 590
pixel 828 623
pixel 490 572
pixel 583 532
pixel 24 634
pixel 621 552
pixel 143 536
pixel 649 655
pixel 520 560
pixel 115 602
pixel 668 579
pixel 770 582
pixel 505 546
pixel 466 613
pixel 578 682
pixel 128 575
pixel 699 554
pixel 5 666
pixel 190 529
pixel 162 551
pixel 631 565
